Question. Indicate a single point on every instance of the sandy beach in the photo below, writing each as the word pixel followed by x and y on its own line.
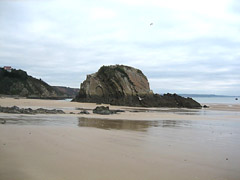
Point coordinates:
pixel 140 143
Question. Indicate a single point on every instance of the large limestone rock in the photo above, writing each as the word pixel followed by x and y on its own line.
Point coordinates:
pixel 124 85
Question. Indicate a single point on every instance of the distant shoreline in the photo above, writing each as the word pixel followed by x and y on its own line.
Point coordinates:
pixel 206 95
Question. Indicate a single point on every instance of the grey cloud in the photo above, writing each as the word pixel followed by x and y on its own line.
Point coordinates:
pixel 195 43
pixel 72 45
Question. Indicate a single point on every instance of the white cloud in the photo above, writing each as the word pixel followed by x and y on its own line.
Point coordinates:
pixel 40 26
pixel 101 13
pixel 203 6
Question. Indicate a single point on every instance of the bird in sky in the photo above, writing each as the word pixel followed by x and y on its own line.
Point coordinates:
pixel 151 24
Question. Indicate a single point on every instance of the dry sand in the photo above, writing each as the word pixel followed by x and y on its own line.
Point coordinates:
pixel 181 144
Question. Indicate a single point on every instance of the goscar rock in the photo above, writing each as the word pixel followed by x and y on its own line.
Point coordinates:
pixel 126 86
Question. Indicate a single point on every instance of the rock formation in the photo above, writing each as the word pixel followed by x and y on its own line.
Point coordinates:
pixel 126 86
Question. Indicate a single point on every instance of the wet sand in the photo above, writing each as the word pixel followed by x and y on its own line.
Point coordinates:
pixel 155 143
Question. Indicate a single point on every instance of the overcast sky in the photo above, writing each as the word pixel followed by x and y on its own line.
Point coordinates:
pixel 193 46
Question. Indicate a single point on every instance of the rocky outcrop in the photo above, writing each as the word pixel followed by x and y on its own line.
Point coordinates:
pixel 18 82
pixel 84 112
pixel 104 110
pixel 124 85
pixel 17 110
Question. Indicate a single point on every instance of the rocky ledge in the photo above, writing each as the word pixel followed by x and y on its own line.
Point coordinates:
pixel 17 110
pixel 104 110
pixel 126 86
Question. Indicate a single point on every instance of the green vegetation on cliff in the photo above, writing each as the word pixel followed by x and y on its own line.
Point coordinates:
pixel 18 82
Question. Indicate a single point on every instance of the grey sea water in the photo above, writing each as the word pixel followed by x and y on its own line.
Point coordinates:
pixel 225 100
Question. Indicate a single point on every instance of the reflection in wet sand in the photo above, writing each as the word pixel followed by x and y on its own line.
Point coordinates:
pixel 132 125
pixel 115 124
pixel 108 124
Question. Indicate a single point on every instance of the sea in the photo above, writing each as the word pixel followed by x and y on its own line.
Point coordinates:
pixel 217 99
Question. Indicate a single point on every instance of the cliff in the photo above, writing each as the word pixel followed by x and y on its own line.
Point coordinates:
pixel 69 92
pixel 18 82
pixel 127 86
